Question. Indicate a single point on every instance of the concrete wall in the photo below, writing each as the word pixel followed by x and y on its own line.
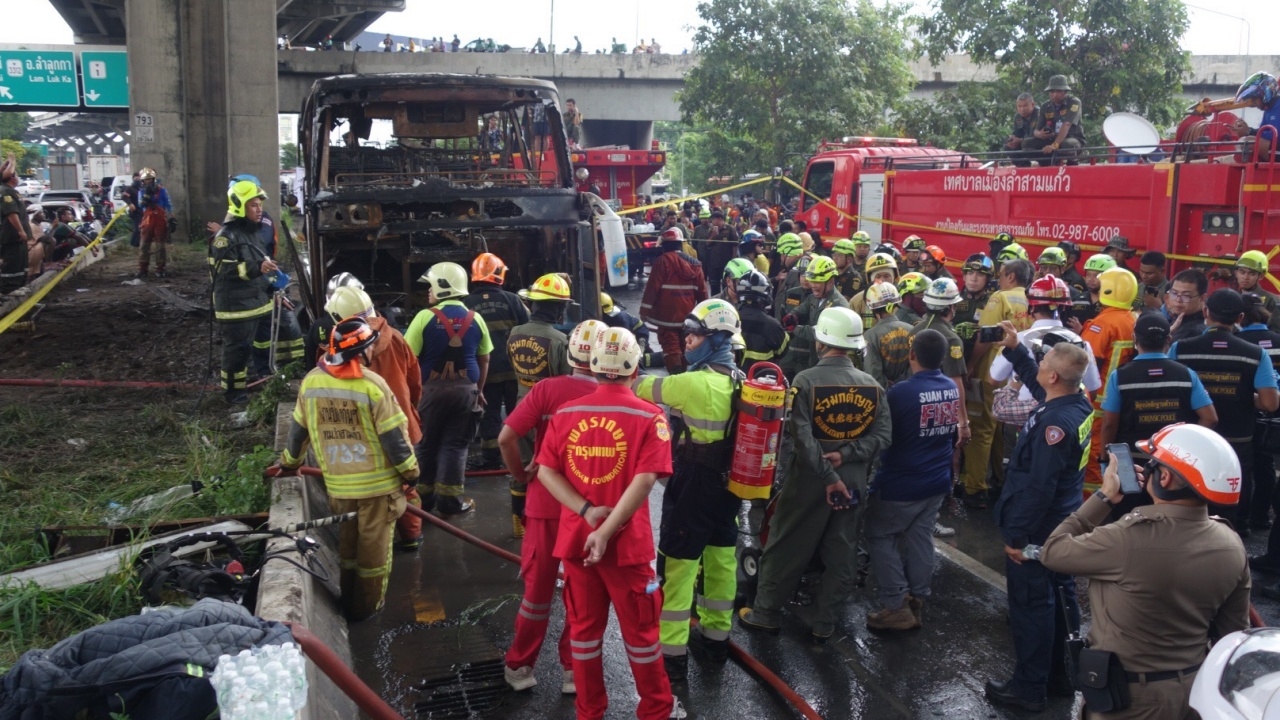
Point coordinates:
pixel 197 68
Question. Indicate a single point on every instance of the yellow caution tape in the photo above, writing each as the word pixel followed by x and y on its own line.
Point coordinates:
pixel 676 201
pixel 38 295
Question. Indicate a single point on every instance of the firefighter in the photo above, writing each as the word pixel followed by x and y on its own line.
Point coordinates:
pixel 699 513
pixel 986 447
pixel 391 358
pixel 940 301
pixel 978 274
pixel 1093 269
pixel 1240 379
pixel 1052 261
pixel 911 249
pixel 821 276
pixel 538 351
pixel 996 244
pixel 502 311
pixel 1011 251
pixel 538 564
pixel 316 343
pixel 1249 270
pixel 602 454
pixel 675 285
pixel 762 334
pixel 156 211
pixel 851 280
pixel 735 269
pixel 1070 275
pixel 239 271
pixel 861 250
pixel 911 287
pixel 933 263
pixel 616 315
pixel 794 261
pixel 880 268
pixel 453 347
pixel 887 356
pixel 349 417
pixel 840 424
pixel 1110 339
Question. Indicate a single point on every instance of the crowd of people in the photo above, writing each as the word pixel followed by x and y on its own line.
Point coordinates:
pixel 906 387
pixel 406 44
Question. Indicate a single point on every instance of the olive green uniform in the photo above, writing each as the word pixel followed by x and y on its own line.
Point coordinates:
pixel 953 364
pixel 887 357
pixel 850 281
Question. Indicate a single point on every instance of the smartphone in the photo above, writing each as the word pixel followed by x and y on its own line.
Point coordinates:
pixel 990 333
pixel 838 499
pixel 1124 466
pixel 1153 291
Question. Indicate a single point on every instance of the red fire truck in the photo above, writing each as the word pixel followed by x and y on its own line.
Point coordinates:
pixel 617 172
pixel 1216 204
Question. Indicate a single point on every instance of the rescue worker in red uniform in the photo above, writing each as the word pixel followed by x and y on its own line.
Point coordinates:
pixel 600 458
pixel 676 284
pixel 538 566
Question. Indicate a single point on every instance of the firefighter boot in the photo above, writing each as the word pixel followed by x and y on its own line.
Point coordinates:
pixel 142 270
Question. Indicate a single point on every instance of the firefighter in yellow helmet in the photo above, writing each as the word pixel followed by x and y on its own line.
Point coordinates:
pixel 1250 269
pixel 1110 339
pixel 240 273
pixel 880 267
pixel 821 276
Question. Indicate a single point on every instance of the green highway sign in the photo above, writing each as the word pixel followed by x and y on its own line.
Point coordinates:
pixel 35 77
pixel 105 77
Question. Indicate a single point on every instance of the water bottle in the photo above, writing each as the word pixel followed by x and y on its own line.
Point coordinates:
pixel 1031 552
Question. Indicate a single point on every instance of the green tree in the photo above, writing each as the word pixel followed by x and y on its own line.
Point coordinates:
pixel 777 76
pixel 973 117
pixel 689 157
pixel 13 125
pixel 1121 55
pixel 289 156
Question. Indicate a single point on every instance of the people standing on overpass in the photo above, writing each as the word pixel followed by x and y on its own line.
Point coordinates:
pixel 572 122
pixel 388 44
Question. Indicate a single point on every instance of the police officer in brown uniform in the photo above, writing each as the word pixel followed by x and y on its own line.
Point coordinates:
pixel 1165 579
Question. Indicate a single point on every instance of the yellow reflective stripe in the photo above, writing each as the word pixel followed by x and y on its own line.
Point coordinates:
pixel 243 314
pixel 409 462
pixel 289 459
pixel 1117 349
pixel 392 423
pixel 361 485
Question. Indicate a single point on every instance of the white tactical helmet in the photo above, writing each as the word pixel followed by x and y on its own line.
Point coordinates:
pixel 616 354
pixel 349 301
pixel 712 316
pixel 581 340
pixel 941 294
pixel 447 279
pixel 882 295
pixel 840 327
pixel 1199 456
pixel 342 280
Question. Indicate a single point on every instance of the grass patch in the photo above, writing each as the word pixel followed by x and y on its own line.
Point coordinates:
pixel 67 454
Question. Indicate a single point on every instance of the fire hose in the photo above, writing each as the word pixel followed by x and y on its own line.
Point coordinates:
pixel 742 657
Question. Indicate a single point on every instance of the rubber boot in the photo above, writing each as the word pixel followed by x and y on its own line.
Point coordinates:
pixel 142 270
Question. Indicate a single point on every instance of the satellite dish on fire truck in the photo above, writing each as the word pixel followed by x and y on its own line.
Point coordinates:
pixel 1131 133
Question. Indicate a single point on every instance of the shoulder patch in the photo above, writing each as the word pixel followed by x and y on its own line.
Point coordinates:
pixel 1075 107
pixel 1094 328
pixel 1053 435
pixel 957 352
pixel 220 241
pixel 661 427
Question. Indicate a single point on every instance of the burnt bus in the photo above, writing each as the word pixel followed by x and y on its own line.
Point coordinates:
pixel 406 170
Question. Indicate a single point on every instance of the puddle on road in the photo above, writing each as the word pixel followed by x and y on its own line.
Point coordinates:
pixel 441 670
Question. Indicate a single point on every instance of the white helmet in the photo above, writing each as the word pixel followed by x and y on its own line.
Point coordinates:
pixel 343 279
pixel 840 327
pixel 712 316
pixel 1238 678
pixel 881 295
pixel 941 294
pixel 581 340
pixel 616 354
pixel 447 279
pixel 1201 457
pixel 349 301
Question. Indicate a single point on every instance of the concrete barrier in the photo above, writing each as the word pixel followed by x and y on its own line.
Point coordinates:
pixel 286 593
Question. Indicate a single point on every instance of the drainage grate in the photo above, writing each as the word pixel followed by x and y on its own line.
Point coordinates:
pixel 471 689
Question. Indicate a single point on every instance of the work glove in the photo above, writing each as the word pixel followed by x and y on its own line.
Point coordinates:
pixel 966 330
pixel 790 321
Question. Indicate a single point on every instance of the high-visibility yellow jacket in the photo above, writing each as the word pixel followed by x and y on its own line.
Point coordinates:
pixel 240 291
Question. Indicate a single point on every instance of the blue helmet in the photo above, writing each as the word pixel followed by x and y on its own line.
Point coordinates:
pixel 1260 87
pixel 243 176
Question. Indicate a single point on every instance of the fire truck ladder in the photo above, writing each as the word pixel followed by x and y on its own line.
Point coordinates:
pixel 1261 198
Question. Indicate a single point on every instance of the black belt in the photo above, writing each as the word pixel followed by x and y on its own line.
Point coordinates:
pixel 1151 677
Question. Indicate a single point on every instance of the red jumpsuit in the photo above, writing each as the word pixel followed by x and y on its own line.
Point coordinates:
pixel 393 359
pixel 538 564
pixel 676 284
pixel 600 442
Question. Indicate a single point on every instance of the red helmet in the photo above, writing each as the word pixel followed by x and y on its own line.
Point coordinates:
pixel 1048 290
pixel 935 252
pixel 673 235
pixel 488 267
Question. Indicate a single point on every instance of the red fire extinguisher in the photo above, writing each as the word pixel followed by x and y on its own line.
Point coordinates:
pixel 761 408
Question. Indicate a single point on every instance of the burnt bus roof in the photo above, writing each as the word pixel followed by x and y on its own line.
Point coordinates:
pixel 411 87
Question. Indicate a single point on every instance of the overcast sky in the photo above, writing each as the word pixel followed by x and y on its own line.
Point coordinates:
pixel 1212 31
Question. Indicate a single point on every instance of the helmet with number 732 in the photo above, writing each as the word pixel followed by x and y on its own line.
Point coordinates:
pixel 581 340
pixel 615 354
pixel 1199 456
pixel 712 316
pixel 1048 290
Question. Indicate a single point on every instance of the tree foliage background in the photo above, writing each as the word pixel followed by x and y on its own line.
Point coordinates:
pixel 776 76
pixel 13 127
pixel 1120 55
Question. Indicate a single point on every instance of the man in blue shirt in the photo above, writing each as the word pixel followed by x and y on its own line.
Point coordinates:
pixel 1240 380
pixel 1043 485
pixel 913 480
pixel 453 345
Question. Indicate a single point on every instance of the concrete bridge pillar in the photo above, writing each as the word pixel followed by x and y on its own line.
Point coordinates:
pixel 204 72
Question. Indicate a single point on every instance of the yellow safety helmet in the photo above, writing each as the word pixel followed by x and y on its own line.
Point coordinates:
pixel 551 287
pixel 1254 260
pixel 913 283
pixel 877 262
pixel 446 279
pixel 349 301
pixel 606 303
pixel 1118 288
pixel 239 195
pixel 821 269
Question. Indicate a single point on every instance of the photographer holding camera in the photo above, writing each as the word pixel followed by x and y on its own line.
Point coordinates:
pixel 1163 580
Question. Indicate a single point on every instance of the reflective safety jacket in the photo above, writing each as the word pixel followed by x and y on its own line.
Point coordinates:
pixel 763 335
pixel 676 284
pixel 357 430
pixel 701 406
pixel 240 290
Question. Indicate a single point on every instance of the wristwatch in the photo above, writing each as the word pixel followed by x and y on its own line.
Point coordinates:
pixel 1103 497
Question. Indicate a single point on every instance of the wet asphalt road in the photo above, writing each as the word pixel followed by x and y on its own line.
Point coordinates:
pixel 436 650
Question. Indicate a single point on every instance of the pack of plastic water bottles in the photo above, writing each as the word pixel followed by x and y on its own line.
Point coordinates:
pixel 266 683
